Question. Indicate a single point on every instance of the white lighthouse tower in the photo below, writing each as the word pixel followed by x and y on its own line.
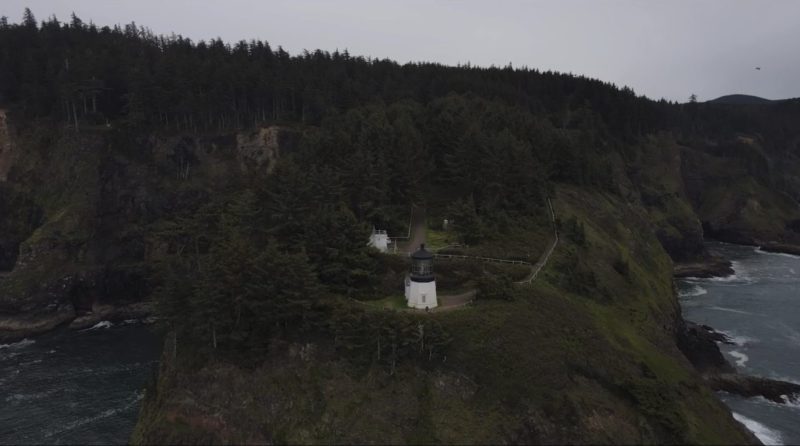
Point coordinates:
pixel 420 284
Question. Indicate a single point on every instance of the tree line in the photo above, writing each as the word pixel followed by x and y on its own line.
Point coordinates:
pixel 277 255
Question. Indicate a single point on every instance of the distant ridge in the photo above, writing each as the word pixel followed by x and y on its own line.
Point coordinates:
pixel 740 99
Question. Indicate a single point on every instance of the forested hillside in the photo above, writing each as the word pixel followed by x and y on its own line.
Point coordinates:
pixel 230 189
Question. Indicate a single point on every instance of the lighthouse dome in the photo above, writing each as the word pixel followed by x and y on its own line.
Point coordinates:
pixel 422 253
pixel 422 265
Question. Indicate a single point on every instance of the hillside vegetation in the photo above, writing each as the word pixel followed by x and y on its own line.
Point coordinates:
pixel 231 189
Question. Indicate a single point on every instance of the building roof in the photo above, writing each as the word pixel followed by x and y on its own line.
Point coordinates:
pixel 422 253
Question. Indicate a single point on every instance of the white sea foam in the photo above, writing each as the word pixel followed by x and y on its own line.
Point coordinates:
pixel 741 358
pixel 694 291
pixel 740 276
pixel 740 340
pixel 766 435
pixel 729 310
pixel 20 344
pixel 784 378
pixel 99 325
pixel 29 396
pixel 790 401
pixel 35 361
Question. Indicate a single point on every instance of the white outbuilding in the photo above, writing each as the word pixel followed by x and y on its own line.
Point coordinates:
pixel 379 240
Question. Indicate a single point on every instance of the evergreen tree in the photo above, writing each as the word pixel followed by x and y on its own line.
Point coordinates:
pixel 28 19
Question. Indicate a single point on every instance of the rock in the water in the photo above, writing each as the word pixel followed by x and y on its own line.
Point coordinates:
pixel 711 267
pixel 699 344
pixel 750 386
pixel 783 248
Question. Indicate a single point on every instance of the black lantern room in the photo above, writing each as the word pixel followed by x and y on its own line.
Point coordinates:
pixel 422 265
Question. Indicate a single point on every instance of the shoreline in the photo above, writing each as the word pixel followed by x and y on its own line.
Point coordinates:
pixel 703 269
pixel 781 248
pixel 701 344
pixel 14 328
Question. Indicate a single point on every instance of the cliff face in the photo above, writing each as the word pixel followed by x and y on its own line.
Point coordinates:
pixel 660 187
pixel 5 147
pixel 79 210
pixel 734 188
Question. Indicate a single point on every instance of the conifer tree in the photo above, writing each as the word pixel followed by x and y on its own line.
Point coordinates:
pixel 28 19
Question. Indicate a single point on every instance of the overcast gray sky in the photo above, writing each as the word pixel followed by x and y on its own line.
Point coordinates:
pixel 668 48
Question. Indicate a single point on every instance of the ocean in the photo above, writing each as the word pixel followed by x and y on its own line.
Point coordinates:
pixel 758 308
pixel 75 387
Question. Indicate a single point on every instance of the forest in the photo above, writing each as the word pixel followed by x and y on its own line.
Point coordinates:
pixel 275 255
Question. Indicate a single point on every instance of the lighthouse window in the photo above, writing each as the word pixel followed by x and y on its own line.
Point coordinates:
pixel 422 268
pixel 423 298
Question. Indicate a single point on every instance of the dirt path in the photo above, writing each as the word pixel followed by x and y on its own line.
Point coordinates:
pixel 463 299
pixel 546 257
pixel 451 302
pixel 417 233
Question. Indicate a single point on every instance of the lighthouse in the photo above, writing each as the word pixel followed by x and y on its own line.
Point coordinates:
pixel 420 283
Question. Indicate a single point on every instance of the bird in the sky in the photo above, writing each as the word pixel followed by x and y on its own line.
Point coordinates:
pixel 758 68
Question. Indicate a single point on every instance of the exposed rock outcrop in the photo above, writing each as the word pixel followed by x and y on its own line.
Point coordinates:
pixel 259 150
pixel 112 313
pixel 5 147
pixel 709 267
pixel 699 344
pixel 751 386
pixel 22 325
pixel 784 248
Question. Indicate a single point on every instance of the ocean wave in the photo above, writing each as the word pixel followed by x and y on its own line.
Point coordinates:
pixel 740 276
pixel 784 378
pixel 766 435
pixel 35 361
pixel 741 358
pixel 30 396
pixel 730 310
pixel 737 339
pixel 20 344
pixel 104 414
pixel 694 291
pixel 99 325
pixel 782 254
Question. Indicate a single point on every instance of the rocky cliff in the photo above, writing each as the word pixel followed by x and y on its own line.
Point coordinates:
pixel 78 211
pixel 5 147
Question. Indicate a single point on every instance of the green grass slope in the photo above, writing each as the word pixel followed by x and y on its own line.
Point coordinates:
pixel 585 355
